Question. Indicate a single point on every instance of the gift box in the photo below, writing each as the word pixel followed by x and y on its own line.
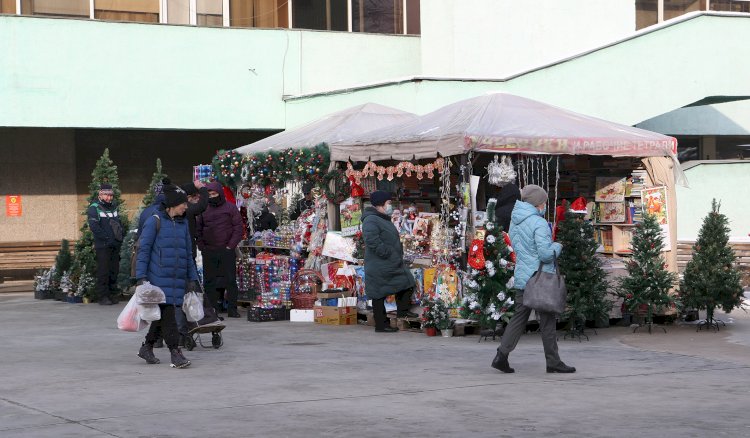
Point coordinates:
pixel 329 315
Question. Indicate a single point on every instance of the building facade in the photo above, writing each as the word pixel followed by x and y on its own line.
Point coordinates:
pixel 179 79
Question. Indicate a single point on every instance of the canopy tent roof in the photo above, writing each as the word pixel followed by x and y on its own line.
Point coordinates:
pixel 347 123
pixel 501 122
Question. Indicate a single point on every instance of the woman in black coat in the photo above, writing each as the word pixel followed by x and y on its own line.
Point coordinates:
pixel 385 271
pixel 506 200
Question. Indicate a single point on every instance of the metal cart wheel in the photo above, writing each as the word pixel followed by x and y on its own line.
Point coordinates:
pixel 189 343
pixel 216 340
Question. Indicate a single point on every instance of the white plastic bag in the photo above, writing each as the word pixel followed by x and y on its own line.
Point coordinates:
pixel 192 305
pixel 147 293
pixel 129 319
pixel 149 312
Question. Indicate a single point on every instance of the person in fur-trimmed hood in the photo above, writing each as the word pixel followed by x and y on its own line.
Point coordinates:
pixel 385 270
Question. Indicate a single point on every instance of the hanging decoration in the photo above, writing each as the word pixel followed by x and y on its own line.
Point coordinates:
pixel 476 255
pixel 338 194
pixel 226 166
pixel 399 170
pixel 500 173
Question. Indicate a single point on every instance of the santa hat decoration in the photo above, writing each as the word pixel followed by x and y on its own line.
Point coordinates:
pixel 579 206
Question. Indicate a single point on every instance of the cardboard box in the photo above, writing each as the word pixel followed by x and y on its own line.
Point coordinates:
pixel 302 315
pixel 337 294
pixel 329 315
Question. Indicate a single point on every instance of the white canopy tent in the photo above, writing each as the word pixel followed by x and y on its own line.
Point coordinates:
pixel 331 128
pixel 501 122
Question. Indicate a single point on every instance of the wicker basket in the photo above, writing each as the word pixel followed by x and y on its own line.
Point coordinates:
pixel 304 290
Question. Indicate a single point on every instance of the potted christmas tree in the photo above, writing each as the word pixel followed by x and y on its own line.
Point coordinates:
pixel 711 279
pixel 124 281
pixel 434 313
pixel 584 276
pixel 488 282
pixel 84 257
pixel 647 285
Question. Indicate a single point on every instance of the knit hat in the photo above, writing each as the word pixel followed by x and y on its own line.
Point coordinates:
pixel 159 187
pixel 173 196
pixel 379 197
pixel 189 189
pixel 106 189
pixel 534 195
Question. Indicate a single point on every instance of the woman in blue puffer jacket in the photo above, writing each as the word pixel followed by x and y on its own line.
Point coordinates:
pixel 165 260
pixel 531 238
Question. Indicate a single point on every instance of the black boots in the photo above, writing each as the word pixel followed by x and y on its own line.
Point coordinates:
pixel 178 360
pixel 500 362
pixel 233 313
pixel 387 329
pixel 147 353
pixel 159 343
pixel 407 315
pixel 562 368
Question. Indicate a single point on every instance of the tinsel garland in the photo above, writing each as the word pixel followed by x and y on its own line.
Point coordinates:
pixel 399 170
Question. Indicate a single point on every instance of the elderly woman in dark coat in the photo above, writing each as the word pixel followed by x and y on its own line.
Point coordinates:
pixel 385 271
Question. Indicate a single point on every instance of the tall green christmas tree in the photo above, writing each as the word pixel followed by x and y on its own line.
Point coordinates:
pixel 648 282
pixel 124 280
pixel 487 295
pixel 84 257
pixel 711 279
pixel 63 261
pixel 584 276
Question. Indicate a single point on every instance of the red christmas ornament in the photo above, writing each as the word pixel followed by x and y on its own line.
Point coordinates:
pixel 476 254
pixel 506 238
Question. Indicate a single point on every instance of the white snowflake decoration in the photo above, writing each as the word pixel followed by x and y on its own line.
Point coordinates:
pixel 491 239
pixel 501 296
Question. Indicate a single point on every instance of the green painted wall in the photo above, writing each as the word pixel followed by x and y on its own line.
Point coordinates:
pixel 85 73
pixel 728 182
pixel 652 73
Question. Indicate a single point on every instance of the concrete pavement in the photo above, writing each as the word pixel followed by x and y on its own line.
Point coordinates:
pixel 66 371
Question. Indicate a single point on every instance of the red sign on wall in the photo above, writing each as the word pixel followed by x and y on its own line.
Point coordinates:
pixel 13 205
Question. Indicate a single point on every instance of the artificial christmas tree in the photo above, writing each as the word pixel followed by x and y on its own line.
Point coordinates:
pixel 124 280
pixel 584 276
pixel 84 258
pixel 488 298
pixel 63 261
pixel 647 285
pixel 711 278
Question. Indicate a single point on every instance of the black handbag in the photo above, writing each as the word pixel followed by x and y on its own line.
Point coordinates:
pixel 546 292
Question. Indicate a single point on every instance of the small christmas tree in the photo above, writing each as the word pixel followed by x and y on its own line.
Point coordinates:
pixel 84 257
pixel 64 260
pixel 711 279
pixel 154 186
pixel 124 281
pixel 648 282
pixel 584 276
pixel 487 296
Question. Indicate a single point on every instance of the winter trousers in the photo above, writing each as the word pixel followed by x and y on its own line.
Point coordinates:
pixel 165 328
pixel 107 268
pixel 220 271
pixel 403 303
pixel 517 326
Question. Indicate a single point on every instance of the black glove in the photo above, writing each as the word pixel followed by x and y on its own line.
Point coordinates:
pixel 140 281
pixel 193 286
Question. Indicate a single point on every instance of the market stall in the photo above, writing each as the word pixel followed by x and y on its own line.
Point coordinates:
pixel 613 167
pixel 287 190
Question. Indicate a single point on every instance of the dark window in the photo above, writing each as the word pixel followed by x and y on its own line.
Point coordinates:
pixel 378 16
pixel 315 14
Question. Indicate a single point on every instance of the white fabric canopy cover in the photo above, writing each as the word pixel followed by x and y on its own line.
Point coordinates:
pixel 347 123
pixel 504 123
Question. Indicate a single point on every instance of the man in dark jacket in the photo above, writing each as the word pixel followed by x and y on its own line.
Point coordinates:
pixel 506 200
pixel 265 220
pixel 105 224
pixel 197 195
pixel 303 204
pixel 385 271
pixel 219 231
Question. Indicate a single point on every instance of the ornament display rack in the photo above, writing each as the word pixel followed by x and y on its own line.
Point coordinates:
pixel 578 178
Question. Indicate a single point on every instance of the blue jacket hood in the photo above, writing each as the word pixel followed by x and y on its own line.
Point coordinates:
pixel 522 210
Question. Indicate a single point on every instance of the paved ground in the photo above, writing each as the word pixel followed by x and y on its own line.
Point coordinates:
pixel 66 371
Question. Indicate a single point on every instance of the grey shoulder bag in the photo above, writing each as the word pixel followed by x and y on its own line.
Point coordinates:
pixel 545 292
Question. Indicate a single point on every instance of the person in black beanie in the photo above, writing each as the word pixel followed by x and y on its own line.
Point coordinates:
pixel 385 270
pixel 105 224
pixel 197 195
pixel 165 260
